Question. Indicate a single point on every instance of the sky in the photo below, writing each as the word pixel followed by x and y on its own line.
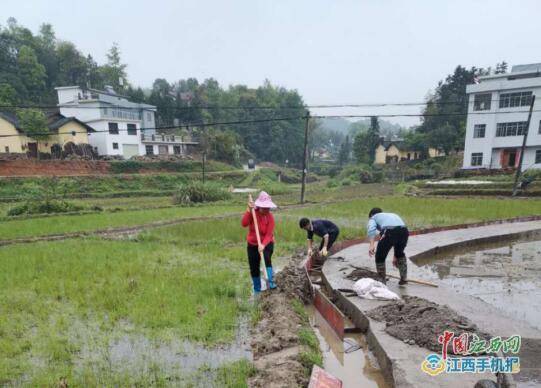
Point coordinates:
pixel 332 52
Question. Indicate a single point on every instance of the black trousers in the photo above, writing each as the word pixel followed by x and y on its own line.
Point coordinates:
pixel 396 238
pixel 332 238
pixel 254 259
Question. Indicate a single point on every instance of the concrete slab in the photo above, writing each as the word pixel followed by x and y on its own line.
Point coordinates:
pixel 401 362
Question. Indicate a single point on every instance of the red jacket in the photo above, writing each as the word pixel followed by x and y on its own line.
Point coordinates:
pixel 266 227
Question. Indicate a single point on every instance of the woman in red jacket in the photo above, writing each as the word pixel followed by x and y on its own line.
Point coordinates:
pixel 265 221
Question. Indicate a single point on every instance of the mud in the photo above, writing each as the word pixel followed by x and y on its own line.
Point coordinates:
pixel 360 273
pixel 275 344
pixel 418 321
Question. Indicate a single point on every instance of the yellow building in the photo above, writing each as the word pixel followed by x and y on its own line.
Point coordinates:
pixel 394 151
pixel 63 130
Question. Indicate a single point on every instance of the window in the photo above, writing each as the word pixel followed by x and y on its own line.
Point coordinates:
pixel 479 130
pixel 537 156
pixel 517 128
pixel 132 129
pixel 482 101
pixel 177 150
pixel 115 146
pixel 113 128
pixel 149 116
pixel 540 126
pixel 121 113
pixel 7 149
pixel 477 159
pixel 511 100
pixel 149 150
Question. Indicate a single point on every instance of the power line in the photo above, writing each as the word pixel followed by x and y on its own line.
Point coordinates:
pixel 180 126
pixel 239 107
pixel 240 122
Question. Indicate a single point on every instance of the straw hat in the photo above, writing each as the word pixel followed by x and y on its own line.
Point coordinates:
pixel 265 201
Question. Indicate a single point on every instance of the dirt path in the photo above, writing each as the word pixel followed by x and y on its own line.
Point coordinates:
pixel 275 342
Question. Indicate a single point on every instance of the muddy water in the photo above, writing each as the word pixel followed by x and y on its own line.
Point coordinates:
pixel 507 277
pixel 349 360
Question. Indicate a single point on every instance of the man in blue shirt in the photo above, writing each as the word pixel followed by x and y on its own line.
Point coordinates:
pixel 393 234
pixel 325 229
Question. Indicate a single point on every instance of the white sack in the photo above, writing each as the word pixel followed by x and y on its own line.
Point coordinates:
pixel 368 288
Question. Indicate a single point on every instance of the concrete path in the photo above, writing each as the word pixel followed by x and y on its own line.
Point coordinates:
pixel 399 361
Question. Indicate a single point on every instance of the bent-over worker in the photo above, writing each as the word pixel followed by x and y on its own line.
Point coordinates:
pixel 265 222
pixel 325 229
pixel 393 234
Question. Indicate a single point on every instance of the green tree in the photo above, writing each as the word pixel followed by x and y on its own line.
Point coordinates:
pixel 444 118
pixel 32 72
pixel 34 125
pixel 72 65
pixel 114 72
pixel 366 141
pixel 416 141
pixel 344 154
pixel 501 68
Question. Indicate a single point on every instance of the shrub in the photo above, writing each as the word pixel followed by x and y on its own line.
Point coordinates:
pixel 346 182
pixel 332 183
pixel 44 207
pixel 197 192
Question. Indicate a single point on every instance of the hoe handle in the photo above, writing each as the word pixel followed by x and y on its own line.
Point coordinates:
pixel 256 227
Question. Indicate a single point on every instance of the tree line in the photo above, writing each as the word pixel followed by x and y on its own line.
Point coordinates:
pixel 32 65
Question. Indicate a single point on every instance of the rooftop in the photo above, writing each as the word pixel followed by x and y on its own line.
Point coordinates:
pixel 518 71
pixel 108 96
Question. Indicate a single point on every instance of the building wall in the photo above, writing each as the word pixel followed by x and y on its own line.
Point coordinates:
pixel 380 155
pixel 433 152
pixel 65 134
pixel 103 140
pixel 490 145
pixel 13 142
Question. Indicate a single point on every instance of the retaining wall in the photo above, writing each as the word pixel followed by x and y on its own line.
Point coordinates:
pixel 31 167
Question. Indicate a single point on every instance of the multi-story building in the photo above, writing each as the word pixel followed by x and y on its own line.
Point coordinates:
pixel 122 127
pixel 497 114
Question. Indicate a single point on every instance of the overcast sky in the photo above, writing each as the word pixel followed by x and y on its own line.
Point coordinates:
pixel 330 51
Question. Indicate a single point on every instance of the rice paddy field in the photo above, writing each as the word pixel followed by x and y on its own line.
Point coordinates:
pixel 167 306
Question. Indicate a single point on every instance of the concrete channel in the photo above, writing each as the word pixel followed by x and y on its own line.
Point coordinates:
pixel 400 362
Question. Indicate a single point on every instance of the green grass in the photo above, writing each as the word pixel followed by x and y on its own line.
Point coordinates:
pixel 110 185
pixel 53 296
pixel 61 301
pixel 89 222
pixel 352 216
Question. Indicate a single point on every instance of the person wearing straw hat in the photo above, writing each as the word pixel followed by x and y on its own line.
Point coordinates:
pixel 265 222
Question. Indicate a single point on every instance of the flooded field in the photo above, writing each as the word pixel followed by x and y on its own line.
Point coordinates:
pixel 507 277
pixel 348 359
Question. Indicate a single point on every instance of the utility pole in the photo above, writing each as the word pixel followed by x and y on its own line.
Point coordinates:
pixel 204 141
pixel 526 130
pixel 305 156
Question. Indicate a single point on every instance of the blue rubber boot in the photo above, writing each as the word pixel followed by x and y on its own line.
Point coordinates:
pixel 270 276
pixel 257 285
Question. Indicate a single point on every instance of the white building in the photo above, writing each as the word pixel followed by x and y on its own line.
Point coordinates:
pixel 497 114
pixel 122 127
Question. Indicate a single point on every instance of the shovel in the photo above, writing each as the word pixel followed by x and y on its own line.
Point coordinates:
pixel 256 227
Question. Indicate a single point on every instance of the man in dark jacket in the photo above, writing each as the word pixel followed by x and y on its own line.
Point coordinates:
pixel 325 229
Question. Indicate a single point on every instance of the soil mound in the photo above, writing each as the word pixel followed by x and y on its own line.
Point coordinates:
pixel 292 280
pixel 419 321
pixel 274 339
